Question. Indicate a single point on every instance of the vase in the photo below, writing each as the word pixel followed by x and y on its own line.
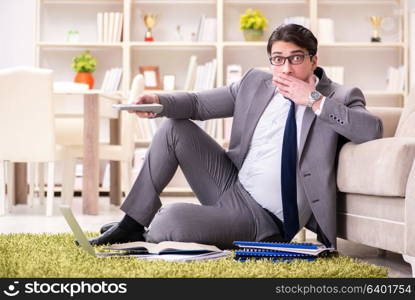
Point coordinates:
pixel 253 35
pixel 85 77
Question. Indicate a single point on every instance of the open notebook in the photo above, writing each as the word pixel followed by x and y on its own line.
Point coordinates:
pixel 168 251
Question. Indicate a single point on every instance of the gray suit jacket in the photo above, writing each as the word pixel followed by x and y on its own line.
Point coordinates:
pixel 343 115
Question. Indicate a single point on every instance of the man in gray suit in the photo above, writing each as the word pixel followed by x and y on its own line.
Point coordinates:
pixel 279 173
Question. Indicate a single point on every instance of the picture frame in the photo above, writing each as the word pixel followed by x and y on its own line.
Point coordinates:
pixel 151 76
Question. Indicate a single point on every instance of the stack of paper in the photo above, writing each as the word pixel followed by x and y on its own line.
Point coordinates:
pixel 109 27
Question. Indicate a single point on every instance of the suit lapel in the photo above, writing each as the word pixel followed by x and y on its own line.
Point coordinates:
pixel 262 97
pixel 308 119
pixel 325 88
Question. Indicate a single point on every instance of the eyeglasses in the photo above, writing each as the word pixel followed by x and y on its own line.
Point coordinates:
pixel 295 59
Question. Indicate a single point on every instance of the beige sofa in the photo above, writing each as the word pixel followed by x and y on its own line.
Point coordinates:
pixel 376 180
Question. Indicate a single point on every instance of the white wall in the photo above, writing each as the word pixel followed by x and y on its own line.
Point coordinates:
pixel 17 32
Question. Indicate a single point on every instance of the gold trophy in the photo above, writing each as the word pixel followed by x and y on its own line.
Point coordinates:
pixel 150 21
pixel 376 21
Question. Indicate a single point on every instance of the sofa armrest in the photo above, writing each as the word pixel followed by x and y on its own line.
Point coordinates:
pixel 379 167
pixel 410 213
pixel 390 117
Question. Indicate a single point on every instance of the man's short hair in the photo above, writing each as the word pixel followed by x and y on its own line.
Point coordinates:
pixel 296 34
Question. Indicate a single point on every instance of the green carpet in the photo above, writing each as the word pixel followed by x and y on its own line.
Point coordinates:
pixel 55 255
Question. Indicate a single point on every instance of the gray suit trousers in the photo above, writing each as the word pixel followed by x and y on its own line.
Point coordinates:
pixel 227 211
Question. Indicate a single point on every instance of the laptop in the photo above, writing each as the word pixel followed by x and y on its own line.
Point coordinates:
pixel 80 235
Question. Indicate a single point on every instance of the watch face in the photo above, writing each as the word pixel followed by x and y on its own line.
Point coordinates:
pixel 315 95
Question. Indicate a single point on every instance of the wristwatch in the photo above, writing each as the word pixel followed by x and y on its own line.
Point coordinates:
pixel 313 97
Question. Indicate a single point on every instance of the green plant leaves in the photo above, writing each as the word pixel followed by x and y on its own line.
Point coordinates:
pixel 253 19
pixel 84 62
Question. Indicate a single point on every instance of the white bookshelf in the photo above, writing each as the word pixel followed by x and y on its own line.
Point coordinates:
pixel 365 63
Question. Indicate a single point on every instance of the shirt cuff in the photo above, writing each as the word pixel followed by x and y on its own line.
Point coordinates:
pixel 318 111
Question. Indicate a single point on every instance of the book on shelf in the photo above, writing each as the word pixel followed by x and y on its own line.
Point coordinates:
pixel 205 76
pixel 109 27
pixel 112 80
pixel 200 27
pixel 100 27
pixel 396 79
pixel 206 31
pixel 212 74
pixel 191 73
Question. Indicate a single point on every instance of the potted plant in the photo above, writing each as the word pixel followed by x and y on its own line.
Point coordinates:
pixel 84 64
pixel 253 23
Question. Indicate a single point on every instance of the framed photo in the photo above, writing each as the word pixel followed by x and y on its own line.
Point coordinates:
pixel 151 76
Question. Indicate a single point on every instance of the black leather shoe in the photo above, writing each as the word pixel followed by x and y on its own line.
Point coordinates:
pixel 107 226
pixel 116 235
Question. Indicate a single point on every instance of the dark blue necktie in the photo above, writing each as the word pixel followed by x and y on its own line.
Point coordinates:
pixel 289 176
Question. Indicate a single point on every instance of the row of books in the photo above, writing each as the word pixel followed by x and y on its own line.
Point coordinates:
pixel 206 31
pixel 200 77
pixel 396 79
pixel 325 27
pixel 112 80
pixel 109 27
pixel 300 20
pixel 205 76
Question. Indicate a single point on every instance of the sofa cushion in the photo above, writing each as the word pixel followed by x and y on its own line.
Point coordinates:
pixel 379 167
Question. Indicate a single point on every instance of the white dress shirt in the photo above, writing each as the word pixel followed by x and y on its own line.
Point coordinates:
pixel 260 173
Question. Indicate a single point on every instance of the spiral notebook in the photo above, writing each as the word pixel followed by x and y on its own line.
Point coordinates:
pixel 280 251
pixel 275 256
